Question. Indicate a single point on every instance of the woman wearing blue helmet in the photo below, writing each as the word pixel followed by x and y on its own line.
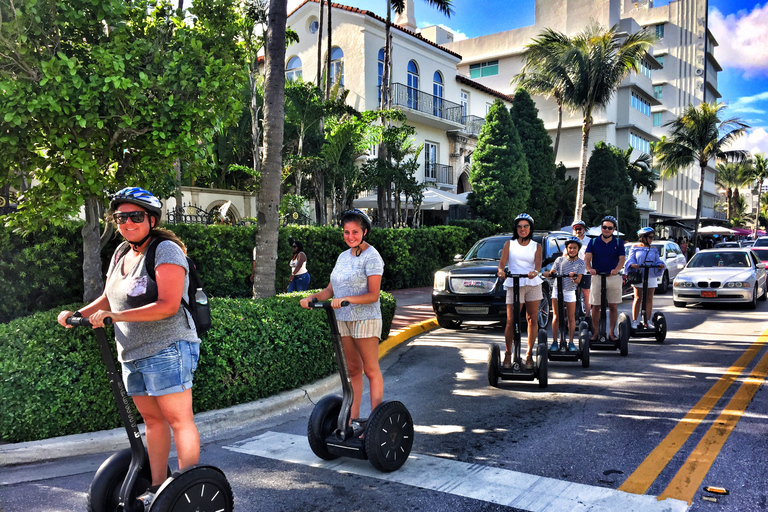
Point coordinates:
pixel 643 253
pixel 522 256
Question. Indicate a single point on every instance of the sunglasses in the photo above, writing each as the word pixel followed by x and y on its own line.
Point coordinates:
pixel 122 217
pixel 607 227
pixel 578 229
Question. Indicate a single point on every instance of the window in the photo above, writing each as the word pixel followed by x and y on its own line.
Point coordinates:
pixel 413 85
pixel 660 60
pixel 660 31
pixel 314 26
pixel 641 104
pixel 639 143
pixel 657 119
pixel 645 68
pixel 430 159
pixel 658 91
pixel 293 69
pixel 464 105
pixel 437 92
pixel 489 68
pixel 380 71
pixel 337 66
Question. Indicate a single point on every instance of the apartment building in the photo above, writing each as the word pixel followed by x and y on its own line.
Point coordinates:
pixel 446 108
pixel 680 70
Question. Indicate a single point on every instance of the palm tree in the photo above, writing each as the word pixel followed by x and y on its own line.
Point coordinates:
pixel 640 171
pixel 598 60
pixel 758 173
pixel 698 136
pixel 545 73
pixel 731 176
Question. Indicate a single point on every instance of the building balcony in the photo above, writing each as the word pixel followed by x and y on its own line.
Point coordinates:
pixel 440 174
pixel 433 109
pixel 472 125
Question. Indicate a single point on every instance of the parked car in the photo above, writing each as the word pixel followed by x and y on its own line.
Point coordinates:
pixel 720 245
pixel 721 275
pixel 762 252
pixel 672 256
pixel 761 241
pixel 469 290
pixel 747 243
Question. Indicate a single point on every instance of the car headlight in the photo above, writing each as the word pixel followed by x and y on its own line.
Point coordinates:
pixel 737 284
pixel 683 284
pixel 440 278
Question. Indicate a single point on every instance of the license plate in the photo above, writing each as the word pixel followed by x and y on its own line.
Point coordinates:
pixel 469 310
pixel 709 294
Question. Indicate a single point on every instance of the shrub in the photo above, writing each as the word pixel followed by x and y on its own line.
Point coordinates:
pixel 53 383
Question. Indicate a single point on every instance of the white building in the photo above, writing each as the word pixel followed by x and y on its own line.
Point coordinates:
pixel 672 77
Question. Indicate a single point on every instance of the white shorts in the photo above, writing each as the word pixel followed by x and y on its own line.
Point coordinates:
pixel 567 296
pixel 653 282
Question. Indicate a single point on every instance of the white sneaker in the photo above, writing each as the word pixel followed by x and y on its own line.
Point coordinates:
pixel 634 324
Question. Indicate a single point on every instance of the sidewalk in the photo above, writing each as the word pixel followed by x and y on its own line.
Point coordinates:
pixel 413 316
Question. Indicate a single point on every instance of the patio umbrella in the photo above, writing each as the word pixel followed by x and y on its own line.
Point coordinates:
pixel 716 230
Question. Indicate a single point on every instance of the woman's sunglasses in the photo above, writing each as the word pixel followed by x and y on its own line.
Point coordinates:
pixel 122 217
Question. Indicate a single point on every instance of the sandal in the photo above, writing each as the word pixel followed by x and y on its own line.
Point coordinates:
pixel 507 360
pixel 528 363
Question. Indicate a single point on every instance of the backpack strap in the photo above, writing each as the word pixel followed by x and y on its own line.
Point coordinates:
pixel 120 253
pixel 149 262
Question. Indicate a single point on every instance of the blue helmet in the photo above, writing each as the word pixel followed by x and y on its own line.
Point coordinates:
pixel 611 219
pixel 573 240
pixel 645 231
pixel 139 197
pixel 524 216
pixel 359 215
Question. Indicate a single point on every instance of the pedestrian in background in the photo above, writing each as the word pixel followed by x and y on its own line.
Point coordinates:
pixel 299 280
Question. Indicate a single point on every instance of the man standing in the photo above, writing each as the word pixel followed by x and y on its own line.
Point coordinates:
pixel 605 254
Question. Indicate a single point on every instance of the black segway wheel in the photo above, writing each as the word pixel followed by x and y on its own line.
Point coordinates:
pixel 322 423
pixel 494 360
pixel 542 359
pixel 624 328
pixel 584 345
pixel 660 325
pixel 389 436
pixel 195 489
pixel 104 493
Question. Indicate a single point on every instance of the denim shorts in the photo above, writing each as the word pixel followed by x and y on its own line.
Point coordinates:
pixel 167 372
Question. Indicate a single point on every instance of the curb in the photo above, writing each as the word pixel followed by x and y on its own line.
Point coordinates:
pixel 209 423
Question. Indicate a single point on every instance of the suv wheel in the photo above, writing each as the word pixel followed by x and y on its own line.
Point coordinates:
pixel 448 323
pixel 664 284
pixel 545 307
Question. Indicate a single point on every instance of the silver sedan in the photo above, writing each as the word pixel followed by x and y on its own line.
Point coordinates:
pixel 721 275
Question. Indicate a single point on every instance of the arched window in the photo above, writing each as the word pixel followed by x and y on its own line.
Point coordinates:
pixel 337 66
pixel 413 85
pixel 437 92
pixel 293 69
pixel 381 71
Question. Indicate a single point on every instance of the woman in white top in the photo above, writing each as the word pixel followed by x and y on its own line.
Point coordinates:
pixel 522 256
pixel 299 280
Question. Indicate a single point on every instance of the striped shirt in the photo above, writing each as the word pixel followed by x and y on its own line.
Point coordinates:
pixel 563 266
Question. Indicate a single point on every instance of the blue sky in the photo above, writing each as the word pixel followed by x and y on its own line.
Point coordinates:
pixel 740 27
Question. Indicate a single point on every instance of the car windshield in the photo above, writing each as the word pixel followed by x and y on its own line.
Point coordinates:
pixel 488 249
pixel 720 259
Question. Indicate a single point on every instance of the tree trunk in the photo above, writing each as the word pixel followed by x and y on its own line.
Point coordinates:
pixel 698 207
pixel 582 170
pixel 320 46
pixel 274 110
pixel 559 127
pixel 92 283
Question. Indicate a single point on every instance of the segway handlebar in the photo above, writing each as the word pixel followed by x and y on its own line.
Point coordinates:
pixel 521 276
pixel 81 321
pixel 315 304
pixel 647 265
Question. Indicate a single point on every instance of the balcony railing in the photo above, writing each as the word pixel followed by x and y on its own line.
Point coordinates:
pixel 473 124
pixel 409 97
pixel 438 173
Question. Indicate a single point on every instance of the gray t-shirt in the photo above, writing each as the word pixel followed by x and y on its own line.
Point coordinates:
pixel 350 277
pixel 133 288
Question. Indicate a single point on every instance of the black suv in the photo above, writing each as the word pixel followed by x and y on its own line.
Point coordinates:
pixel 470 290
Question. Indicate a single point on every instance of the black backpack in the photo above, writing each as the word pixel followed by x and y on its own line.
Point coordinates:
pixel 201 313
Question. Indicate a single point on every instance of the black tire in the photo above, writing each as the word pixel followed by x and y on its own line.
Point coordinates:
pixel 104 493
pixel 542 361
pixel 764 296
pixel 753 303
pixel 660 325
pixel 663 284
pixel 448 323
pixel 389 436
pixel 322 423
pixel 494 359
pixel 584 347
pixel 545 307
pixel 678 303
pixel 201 488
pixel 624 328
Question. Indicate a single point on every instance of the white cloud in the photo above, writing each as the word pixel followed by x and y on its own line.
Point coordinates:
pixel 755 141
pixel 743 39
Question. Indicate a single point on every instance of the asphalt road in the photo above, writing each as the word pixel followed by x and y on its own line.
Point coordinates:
pixel 663 421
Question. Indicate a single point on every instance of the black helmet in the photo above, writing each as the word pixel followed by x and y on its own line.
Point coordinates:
pixel 358 215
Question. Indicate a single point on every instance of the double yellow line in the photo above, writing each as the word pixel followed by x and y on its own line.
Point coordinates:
pixel 690 476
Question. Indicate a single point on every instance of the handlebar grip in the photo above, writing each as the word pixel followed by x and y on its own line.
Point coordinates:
pixel 327 304
pixel 81 321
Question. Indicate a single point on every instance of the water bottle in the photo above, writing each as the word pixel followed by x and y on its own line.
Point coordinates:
pixel 200 297
pixel 202 311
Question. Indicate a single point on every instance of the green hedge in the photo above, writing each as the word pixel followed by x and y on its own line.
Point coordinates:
pixel 44 270
pixel 53 383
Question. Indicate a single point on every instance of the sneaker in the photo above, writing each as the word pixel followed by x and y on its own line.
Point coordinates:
pixel 554 347
pixel 572 347
pixel 650 325
pixel 148 497
pixel 634 324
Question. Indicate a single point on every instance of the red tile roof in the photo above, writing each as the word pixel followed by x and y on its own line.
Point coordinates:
pixel 471 83
pixel 383 20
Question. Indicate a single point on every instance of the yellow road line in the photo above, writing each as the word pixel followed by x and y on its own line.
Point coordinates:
pixel 685 483
pixel 646 473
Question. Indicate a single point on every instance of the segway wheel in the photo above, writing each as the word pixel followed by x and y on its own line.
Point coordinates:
pixel 542 359
pixel 660 324
pixel 197 488
pixel 624 326
pixel 389 436
pixel 104 492
pixel 494 360
pixel 322 423
pixel 584 346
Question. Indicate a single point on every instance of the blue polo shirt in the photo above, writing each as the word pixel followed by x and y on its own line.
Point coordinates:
pixel 605 256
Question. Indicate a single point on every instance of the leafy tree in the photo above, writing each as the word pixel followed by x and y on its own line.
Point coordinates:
pixel 98 95
pixel 609 188
pixel 537 146
pixel 499 173
pixel 697 136
pixel 564 196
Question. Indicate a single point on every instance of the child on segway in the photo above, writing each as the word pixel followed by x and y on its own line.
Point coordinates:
pixel 571 268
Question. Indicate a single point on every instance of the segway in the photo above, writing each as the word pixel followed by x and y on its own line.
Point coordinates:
pixel 518 371
pixel 563 353
pixel 387 434
pixel 125 476
pixel 659 330
pixel 603 342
